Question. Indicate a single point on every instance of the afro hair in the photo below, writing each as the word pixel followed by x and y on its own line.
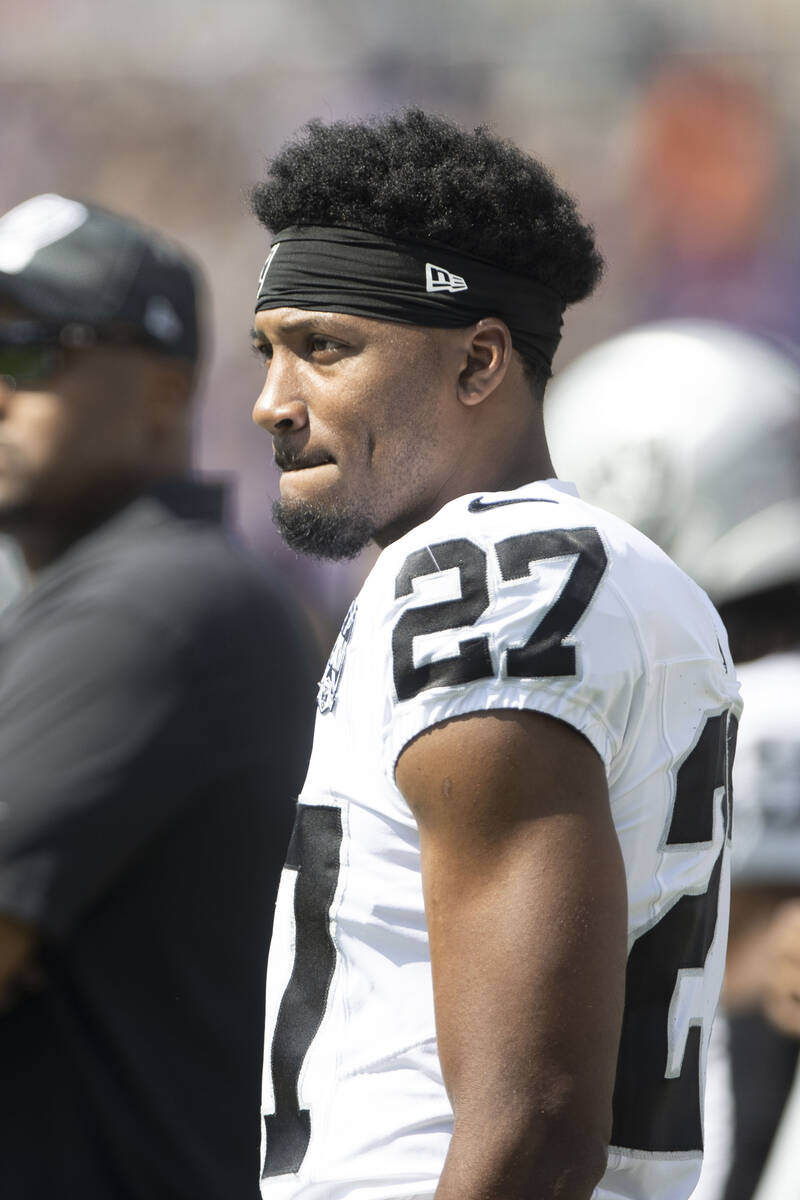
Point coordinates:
pixel 418 177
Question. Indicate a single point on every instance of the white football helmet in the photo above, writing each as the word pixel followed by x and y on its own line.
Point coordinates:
pixel 690 430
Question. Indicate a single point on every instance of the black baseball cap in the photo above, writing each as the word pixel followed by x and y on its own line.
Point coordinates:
pixel 68 261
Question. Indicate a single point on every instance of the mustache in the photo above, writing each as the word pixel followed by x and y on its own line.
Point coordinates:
pixel 296 460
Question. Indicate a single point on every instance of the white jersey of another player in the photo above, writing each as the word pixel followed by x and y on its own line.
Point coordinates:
pixel 766 838
pixel 528 599
pixel 765 853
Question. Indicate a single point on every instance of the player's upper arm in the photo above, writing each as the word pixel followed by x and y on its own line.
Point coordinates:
pixel 526 908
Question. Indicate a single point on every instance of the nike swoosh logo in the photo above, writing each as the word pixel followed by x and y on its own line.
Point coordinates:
pixel 481 505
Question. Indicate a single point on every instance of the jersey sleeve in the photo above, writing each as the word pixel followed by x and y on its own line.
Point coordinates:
pixel 511 617
pixel 105 727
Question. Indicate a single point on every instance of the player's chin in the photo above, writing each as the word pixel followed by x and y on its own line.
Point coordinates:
pixel 322 530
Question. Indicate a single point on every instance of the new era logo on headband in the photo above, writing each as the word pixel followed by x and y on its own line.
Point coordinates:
pixel 437 279
pixel 341 269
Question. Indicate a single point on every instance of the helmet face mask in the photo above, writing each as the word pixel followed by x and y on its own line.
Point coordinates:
pixel 689 430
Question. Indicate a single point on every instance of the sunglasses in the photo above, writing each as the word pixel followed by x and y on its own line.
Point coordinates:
pixel 33 352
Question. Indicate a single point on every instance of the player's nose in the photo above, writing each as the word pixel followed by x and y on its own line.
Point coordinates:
pixel 280 407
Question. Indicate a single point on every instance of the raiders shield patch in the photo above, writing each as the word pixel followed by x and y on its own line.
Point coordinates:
pixel 329 684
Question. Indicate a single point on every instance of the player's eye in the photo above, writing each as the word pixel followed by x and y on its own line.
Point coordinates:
pixel 262 351
pixel 320 344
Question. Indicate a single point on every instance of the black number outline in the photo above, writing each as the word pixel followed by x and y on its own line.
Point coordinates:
pixel 546 652
pixel 654 1112
pixel 473 660
pixel 314 852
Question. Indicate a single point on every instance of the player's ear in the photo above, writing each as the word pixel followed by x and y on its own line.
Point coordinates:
pixel 488 354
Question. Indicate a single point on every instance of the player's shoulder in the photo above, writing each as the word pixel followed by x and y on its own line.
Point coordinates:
pixel 543 507
pixel 489 515
pixel 623 577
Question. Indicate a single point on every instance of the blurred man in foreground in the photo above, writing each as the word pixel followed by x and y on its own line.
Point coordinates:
pixel 153 696
pixel 691 431
pixel 519 776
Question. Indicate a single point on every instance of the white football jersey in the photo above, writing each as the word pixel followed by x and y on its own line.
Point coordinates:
pixel 528 599
pixel 765 851
pixel 766 831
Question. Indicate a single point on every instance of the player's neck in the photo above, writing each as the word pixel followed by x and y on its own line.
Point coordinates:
pixel 511 446
pixel 508 461
pixel 489 475
pixel 526 467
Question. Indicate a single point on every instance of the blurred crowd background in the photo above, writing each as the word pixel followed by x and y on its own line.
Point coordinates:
pixel 674 123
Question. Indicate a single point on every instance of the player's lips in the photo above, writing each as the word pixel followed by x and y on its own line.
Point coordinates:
pixel 301 462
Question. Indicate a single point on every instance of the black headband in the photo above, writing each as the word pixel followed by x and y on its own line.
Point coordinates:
pixel 369 275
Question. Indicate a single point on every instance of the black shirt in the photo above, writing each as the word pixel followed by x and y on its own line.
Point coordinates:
pixel 155 717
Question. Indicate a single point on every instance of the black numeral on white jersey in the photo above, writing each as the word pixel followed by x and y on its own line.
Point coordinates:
pixel 473 660
pixel 657 1093
pixel 314 854
pixel 543 654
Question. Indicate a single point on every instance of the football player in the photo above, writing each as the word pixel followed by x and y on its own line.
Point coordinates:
pixel 710 468
pixel 500 931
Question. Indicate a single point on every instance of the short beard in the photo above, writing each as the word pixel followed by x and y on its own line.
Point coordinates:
pixel 334 533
